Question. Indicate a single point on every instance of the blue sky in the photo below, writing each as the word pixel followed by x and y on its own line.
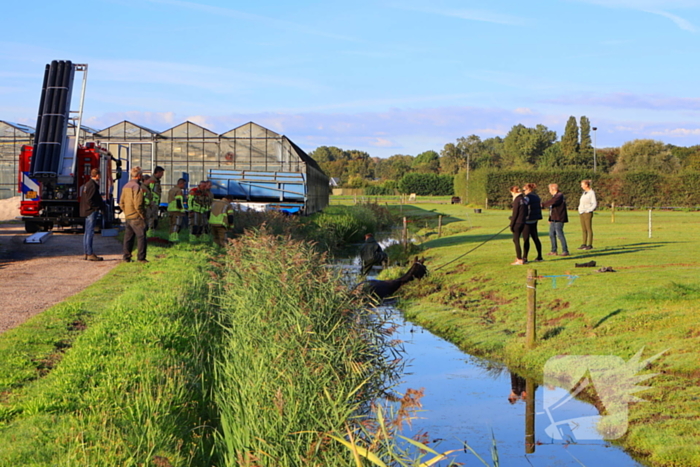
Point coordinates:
pixel 386 77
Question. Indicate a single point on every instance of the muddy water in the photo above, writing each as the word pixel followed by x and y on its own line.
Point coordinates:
pixel 466 400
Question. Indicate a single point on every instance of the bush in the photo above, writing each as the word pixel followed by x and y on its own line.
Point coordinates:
pixel 385 189
pixel 427 184
pixel 637 189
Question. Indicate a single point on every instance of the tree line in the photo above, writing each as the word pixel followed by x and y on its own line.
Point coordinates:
pixel 523 148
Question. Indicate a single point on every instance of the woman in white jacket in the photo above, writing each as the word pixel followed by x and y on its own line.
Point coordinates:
pixel 586 206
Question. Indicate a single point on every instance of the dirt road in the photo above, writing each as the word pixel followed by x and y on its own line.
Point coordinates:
pixel 34 277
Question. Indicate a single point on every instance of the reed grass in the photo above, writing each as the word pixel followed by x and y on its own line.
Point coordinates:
pixel 299 357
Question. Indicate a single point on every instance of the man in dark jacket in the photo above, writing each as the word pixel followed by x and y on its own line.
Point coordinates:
pixel 91 203
pixel 371 254
pixel 557 218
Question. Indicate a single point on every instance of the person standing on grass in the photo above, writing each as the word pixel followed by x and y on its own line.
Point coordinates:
pixel 534 214
pixel 91 203
pixel 132 206
pixel 176 209
pixel 517 222
pixel 219 222
pixel 557 218
pixel 586 206
pixel 156 193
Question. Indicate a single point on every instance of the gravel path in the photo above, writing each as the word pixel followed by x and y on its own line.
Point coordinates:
pixel 33 277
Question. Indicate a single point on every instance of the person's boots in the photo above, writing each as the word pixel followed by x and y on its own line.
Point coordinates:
pixel 93 257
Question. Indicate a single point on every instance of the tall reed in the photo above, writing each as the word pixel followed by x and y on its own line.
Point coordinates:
pixel 299 356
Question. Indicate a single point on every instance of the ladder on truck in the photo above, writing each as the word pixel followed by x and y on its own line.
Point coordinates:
pixel 75 119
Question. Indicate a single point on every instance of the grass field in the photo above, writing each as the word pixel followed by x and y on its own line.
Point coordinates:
pixel 652 303
pixel 142 367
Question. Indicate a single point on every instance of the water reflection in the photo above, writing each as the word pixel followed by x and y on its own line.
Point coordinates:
pixel 465 402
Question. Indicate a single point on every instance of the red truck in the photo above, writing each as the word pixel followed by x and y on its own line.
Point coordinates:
pixel 52 171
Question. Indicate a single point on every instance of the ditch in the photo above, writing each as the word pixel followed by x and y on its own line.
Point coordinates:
pixel 483 404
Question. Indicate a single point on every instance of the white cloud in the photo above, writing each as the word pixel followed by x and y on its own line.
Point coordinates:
pixel 680 22
pixel 677 132
pixel 623 100
pixel 383 143
pixel 524 111
pixel 272 22
pixel 468 14
pixel 656 7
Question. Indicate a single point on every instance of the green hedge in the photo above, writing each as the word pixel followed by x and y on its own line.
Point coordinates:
pixel 427 184
pixel 634 189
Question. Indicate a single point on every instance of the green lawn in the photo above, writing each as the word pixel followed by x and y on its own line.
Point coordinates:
pixel 652 302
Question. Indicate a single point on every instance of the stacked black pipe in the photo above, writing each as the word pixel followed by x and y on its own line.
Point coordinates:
pixel 52 121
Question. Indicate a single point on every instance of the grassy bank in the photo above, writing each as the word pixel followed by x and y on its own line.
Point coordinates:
pixel 114 375
pixel 651 303
pixel 253 357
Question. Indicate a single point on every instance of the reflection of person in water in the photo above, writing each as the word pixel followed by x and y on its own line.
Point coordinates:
pixel 517 388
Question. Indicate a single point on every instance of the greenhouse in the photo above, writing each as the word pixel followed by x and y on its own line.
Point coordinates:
pixel 12 137
pixel 186 149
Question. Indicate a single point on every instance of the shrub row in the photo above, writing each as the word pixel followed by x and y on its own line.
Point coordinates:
pixel 632 189
pixel 427 184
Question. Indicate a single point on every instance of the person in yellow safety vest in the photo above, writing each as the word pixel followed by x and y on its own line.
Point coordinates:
pixel 197 204
pixel 176 209
pixel 153 212
pixel 220 220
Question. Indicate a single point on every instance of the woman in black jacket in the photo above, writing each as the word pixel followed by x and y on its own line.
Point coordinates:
pixel 517 221
pixel 534 214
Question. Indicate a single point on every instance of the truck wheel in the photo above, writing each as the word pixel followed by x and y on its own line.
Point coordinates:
pixel 31 227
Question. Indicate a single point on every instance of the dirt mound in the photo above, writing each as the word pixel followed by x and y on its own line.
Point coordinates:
pixel 9 209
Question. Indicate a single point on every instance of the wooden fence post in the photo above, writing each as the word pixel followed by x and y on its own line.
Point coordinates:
pixel 404 234
pixel 612 213
pixel 530 331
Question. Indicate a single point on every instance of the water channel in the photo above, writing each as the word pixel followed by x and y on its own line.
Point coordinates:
pixel 467 399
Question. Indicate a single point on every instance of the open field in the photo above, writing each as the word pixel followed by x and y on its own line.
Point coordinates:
pixel 652 303
pixel 123 373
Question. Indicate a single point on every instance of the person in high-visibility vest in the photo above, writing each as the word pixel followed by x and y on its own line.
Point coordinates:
pixel 176 209
pixel 220 219
pixel 197 201
pixel 153 211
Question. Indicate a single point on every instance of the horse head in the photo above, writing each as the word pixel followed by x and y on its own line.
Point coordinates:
pixel 418 270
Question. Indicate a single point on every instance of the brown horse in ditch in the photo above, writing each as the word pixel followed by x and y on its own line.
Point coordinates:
pixel 384 289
